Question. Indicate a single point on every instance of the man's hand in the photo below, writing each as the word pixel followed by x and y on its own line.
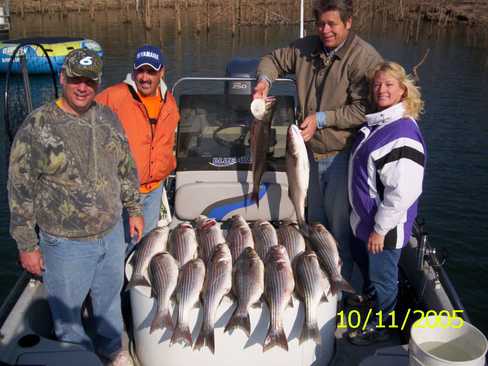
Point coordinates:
pixel 261 90
pixel 376 243
pixel 32 261
pixel 308 127
pixel 136 226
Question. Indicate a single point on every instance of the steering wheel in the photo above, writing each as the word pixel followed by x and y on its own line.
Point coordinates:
pixel 219 135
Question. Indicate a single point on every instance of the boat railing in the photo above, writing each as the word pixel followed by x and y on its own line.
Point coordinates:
pixel 18 52
pixel 436 259
pixel 11 299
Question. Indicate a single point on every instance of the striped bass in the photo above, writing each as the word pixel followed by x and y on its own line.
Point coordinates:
pixel 278 289
pixel 182 243
pixel 311 286
pixel 297 171
pixel 260 140
pixel 291 239
pixel 325 246
pixel 163 272
pixel 218 283
pixel 152 243
pixel 209 234
pixel 265 237
pixel 248 286
pixel 190 283
pixel 239 237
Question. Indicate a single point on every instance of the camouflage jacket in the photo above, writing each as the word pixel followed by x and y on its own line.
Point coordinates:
pixel 70 175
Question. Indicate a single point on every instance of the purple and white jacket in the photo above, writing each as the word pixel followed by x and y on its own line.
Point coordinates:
pixel 386 171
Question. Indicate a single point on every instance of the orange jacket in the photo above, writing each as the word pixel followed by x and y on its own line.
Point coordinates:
pixel 151 150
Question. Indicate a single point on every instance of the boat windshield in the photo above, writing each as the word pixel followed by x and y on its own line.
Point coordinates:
pixel 214 131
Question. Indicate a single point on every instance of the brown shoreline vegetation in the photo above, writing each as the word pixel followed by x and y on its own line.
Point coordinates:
pixel 267 12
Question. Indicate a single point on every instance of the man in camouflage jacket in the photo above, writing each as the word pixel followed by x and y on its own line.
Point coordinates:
pixel 70 174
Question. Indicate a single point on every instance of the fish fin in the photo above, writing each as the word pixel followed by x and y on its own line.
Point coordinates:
pixel 239 320
pixel 197 304
pixel 182 334
pixel 324 297
pixel 205 339
pixel 277 338
pixel 310 332
pixel 162 319
pixel 230 295
pixel 298 288
pixel 258 304
pixel 137 281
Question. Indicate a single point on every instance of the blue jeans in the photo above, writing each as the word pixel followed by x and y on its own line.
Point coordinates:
pixel 380 274
pixel 328 202
pixel 151 203
pixel 72 269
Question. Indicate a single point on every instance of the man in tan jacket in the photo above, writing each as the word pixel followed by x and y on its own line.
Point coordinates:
pixel 331 69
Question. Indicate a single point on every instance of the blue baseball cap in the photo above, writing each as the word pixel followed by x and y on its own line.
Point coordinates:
pixel 149 55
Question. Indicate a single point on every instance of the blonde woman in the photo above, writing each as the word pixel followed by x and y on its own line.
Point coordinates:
pixel 386 171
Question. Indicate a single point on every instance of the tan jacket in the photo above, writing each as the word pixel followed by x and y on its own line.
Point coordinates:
pixel 340 90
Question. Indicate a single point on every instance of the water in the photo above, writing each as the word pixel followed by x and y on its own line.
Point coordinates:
pixel 454 82
pixel 447 351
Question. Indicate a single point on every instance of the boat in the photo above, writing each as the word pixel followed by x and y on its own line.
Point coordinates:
pixel 213 173
pixel 34 51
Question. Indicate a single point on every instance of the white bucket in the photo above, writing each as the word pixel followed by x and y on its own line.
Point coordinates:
pixel 443 340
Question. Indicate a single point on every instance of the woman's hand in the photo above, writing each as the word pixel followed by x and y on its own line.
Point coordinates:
pixel 376 243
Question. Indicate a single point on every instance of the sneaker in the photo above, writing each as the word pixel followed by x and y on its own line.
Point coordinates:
pixel 122 358
pixel 372 334
pixel 359 301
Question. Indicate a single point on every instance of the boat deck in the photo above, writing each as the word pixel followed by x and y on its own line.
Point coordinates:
pixel 348 354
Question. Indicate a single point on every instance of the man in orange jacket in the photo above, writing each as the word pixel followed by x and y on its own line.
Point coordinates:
pixel 149 115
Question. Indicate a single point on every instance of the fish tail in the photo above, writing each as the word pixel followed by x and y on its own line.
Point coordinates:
pixel 310 331
pixel 162 319
pixel 137 281
pixel 275 338
pixel 239 320
pixel 182 334
pixel 206 339
pixel 341 285
pixel 255 197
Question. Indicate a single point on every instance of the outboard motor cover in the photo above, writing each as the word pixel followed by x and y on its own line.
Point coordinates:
pixel 240 68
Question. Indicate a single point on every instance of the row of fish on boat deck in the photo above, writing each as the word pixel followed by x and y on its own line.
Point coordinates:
pixel 253 262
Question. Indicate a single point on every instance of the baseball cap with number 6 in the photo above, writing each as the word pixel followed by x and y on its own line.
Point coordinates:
pixel 83 62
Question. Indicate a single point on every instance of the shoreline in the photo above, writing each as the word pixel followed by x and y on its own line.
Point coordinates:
pixel 267 12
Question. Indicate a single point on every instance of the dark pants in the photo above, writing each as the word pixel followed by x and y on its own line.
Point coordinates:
pixel 380 274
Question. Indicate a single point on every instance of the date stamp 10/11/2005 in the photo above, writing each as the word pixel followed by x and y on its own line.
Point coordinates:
pixel 354 319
